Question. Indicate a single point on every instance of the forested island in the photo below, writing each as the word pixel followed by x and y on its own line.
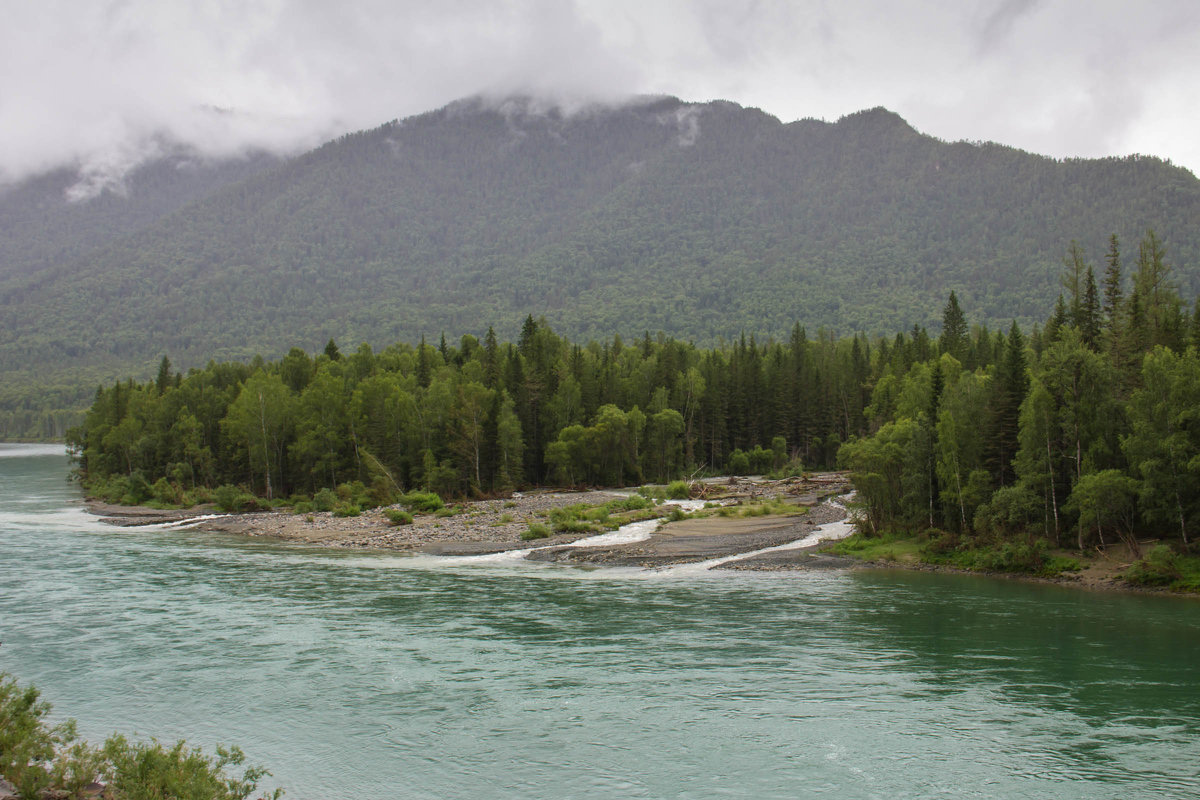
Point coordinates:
pixel 983 449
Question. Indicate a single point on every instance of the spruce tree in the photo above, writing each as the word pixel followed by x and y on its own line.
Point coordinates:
pixel 954 330
pixel 1088 319
pixel 164 375
pixel 424 370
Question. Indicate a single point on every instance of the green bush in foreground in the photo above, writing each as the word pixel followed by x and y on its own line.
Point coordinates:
pixel 37 758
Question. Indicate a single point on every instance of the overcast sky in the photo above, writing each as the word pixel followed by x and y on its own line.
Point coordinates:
pixel 94 81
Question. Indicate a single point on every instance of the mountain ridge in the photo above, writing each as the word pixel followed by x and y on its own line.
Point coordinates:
pixel 701 220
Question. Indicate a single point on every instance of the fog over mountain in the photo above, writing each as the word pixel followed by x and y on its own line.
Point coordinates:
pixel 98 86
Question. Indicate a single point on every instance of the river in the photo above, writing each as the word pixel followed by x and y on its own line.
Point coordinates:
pixel 371 675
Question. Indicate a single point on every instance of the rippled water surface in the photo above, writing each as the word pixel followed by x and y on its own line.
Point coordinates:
pixel 360 675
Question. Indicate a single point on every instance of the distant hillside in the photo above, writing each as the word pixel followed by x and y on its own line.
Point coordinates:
pixel 701 220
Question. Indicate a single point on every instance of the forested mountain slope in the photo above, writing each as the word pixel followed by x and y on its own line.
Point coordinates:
pixel 701 220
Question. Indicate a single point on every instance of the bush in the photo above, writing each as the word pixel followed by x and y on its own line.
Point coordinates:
pixel 739 463
pixel 347 510
pixel 1160 567
pixel 302 507
pixel 678 490
pixel 197 496
pixel 48 762
pixel 536 530
pixel 791 469
pixel 231 499
pixel 165 493
pixel 677 514
pixel 151 771
pixel 427 502
pixel 398 516
pixel 325 500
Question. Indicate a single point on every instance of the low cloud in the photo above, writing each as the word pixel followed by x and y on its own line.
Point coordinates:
pixel 105 85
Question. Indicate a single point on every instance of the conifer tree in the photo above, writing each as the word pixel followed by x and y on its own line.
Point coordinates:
pixel 1088 318
pixel 954 330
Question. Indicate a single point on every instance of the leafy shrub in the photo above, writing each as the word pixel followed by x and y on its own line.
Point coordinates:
pixel 325 500
pixel 302 507
pixel 231 499
pixel 739 463
pixel 150 771
pixel 536 530
pixel 941 543
pixel 197 496
pixel 448 511
pixel 398 516
pixel 677 514
pixel 49 762
pixel 1160 567
pixel 678 490
pixel 1011 510
pixel 427 502
pixel 165 493
pixel 347 510
pixel 791 469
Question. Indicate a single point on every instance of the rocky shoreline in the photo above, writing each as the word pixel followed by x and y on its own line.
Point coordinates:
pixel 491 526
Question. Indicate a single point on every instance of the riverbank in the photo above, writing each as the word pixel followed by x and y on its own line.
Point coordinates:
pixel 1101 571
pixel 783 511
pixel 491 526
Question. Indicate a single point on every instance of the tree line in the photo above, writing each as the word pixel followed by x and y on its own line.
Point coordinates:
pixel 481 417
pixel 1084 433
pixel 1081 432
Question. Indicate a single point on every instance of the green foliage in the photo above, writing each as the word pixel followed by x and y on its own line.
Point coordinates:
pixel 678 490
pixel 46 761
pixel 325 500
pixel 1160 567
pixel 1024 557
pixel 425 502
pixel 889 547
pixel 536 530
pixel 398 516
pixel 152 771
pixel 347 510
pixel 232 499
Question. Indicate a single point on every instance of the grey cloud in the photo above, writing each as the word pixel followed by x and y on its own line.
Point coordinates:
pixel 103 84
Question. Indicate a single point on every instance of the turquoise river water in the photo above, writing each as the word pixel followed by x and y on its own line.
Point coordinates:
pixel 371 675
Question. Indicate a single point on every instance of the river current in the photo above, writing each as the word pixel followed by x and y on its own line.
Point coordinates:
pixel 372 675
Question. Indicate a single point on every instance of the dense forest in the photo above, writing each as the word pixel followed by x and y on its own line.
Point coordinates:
pixel 698 220
pixel 1082 432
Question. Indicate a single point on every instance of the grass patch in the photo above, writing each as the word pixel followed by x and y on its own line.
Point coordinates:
pixel 894 547
pixel 536 530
